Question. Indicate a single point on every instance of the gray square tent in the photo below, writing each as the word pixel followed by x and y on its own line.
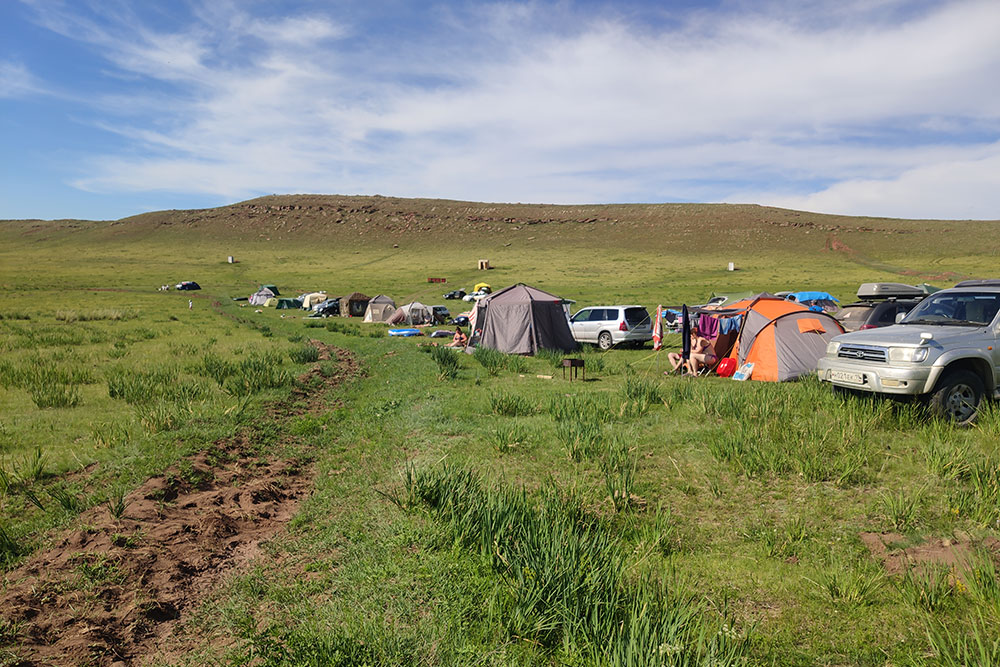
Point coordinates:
pixel 521 320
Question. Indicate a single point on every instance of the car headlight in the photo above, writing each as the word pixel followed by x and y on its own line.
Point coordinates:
pixel 908 354
pixel 832 348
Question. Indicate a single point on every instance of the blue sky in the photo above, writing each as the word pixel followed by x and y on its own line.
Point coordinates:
pixel 876 107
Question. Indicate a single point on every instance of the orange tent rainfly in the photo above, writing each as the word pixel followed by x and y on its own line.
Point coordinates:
pixel 782 339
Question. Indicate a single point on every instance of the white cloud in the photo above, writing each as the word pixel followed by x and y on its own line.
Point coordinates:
pixel 16 81
pixel 963 189
pixel 861 112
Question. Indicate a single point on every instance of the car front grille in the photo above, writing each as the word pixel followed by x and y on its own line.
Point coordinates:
pixel 863 353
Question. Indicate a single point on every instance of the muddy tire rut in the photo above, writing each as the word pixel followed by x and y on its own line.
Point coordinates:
pixel 114 588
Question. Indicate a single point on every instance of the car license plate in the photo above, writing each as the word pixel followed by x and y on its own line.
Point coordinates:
pixel 847 376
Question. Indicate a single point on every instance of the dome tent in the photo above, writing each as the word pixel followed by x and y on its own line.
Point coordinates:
pixel 521 320
pixel 380 308
pixel 412 313
pixel 782 339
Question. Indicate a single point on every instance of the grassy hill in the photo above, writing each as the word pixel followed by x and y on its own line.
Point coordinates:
pixel 660 252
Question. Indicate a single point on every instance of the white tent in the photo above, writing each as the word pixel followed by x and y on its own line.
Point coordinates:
pixel 313 298
pixel 412 313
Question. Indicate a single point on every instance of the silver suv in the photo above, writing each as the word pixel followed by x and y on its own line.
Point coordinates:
pixel 607 326
pixel 947 350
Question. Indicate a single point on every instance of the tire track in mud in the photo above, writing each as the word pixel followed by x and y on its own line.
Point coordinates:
pixel 113 589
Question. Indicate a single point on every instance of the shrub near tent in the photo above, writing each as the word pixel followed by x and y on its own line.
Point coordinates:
pixel 782 339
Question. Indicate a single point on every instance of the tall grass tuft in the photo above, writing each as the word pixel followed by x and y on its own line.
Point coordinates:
pixel 901 509
pixel 54 395
pixel 551 357
pixel 618 465
pixel 215 367
pixel 510 405
pixel 581 438
pixel 492 360
pixel 113 314
pixel 979 645
pixel 508 436
pixel 254 374
pixel 304 354
pixel 446 360
pixel 567 577
pixel 929 589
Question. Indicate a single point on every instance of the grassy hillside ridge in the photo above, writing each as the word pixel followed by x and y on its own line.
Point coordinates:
pixel 656 252
pixel 376 219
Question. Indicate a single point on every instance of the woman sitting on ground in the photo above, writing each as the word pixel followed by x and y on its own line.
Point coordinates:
pixel 702 354
pixel 459 339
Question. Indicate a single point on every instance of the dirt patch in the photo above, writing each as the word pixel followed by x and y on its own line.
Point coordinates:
pixel 955 552
pixel 115 587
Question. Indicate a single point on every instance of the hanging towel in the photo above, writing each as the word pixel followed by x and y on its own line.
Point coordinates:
pixel 708 326
pixel 729 324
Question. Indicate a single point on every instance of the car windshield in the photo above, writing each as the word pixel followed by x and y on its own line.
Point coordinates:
pixel 956 308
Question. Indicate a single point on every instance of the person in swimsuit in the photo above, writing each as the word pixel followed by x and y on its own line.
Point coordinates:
pixel 702 354
pixel 459 339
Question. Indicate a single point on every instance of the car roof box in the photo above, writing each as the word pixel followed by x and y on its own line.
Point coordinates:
pixel 874 291
pixel 990 282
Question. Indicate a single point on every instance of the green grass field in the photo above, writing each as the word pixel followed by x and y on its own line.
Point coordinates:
pixel 461 512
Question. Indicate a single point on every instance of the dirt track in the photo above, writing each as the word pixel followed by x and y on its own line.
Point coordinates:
pixel 114 589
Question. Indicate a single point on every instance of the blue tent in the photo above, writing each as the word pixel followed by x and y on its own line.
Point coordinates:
pixel 818 301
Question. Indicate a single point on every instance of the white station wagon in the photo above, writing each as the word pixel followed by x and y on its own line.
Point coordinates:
pixel 607 326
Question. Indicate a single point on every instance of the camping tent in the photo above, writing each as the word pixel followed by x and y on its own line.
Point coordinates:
pixel 782 339
pixel 815 300
pixel 260 298
pixel 272 302
pixel 380 308
pixel 353 305
pixel 273 288
pixel 313 298
pixel 481 286
pixel 521 320
pixel 284 304
pixel 412 313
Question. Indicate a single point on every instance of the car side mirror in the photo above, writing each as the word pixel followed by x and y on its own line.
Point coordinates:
pixel 899 317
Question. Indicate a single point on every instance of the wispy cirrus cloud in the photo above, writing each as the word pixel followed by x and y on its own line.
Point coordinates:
pixel 884 109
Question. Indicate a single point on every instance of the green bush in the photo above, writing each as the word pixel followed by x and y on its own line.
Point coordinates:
pixel 305 354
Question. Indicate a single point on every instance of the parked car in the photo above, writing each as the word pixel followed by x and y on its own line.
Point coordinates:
pixel 873 314
pixel 608 326
pixel 460 321
pixel 945 350
pixel 187 285
pixel 879 305
pixel 328 308
pixel 440 314
pixel 476 296
pixel 455 294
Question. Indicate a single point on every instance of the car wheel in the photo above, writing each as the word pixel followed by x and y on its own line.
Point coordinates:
pixel 957 397
pixel 604 341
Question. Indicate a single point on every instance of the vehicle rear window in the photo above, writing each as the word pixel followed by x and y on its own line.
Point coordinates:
pixel 852 317
pixel 636 316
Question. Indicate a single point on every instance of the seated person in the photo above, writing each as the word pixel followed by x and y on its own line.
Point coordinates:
pixel 702 355
pixel 459 339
